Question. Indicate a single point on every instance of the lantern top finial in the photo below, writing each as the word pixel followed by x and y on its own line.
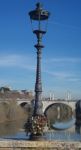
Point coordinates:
pixel 39 5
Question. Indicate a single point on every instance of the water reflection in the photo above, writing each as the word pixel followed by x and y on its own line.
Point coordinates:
pixel 11 127
pixel 61 117
pixel 64 125
pixel 58 112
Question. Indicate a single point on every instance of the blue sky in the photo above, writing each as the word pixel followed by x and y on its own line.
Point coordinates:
pixel 61 57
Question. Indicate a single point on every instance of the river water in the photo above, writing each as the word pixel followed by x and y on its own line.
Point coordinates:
pixel 59 131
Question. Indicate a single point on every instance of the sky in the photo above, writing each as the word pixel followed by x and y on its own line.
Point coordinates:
pixel 61 57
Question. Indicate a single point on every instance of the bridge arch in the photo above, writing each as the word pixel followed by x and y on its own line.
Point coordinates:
pixel 23 104
pixel 58 112
pixel 58 105
pixel 4 102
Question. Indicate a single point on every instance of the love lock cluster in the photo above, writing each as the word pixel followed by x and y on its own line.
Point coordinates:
pixel 36 125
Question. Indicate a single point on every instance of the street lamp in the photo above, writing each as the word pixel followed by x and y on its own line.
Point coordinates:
pixel 36 124
pixel 39 16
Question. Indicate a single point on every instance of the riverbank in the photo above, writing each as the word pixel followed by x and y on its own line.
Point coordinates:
pixel 38 145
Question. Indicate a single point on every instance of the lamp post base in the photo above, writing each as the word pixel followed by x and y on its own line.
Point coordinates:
pixel 37 138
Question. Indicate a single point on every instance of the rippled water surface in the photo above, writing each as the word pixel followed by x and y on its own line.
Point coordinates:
pixel 65 131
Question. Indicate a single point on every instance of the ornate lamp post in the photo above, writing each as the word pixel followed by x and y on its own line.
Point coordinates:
pixel 38 16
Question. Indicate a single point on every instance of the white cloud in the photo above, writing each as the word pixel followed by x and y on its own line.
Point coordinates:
pixel 60 75
pixel 28 62
pixel 9 60
pixel 68 70
pixel 64 76
pixel 63 60
pixel 21 61
pixel 74 79
pixel 65 25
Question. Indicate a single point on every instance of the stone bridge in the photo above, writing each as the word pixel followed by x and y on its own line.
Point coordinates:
pixel 46 103
pixel 49 103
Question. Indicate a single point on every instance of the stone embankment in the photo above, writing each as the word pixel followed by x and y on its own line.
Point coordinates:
pixel 39 145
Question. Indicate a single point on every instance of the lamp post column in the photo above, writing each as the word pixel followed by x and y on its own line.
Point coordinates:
pixel 38 84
